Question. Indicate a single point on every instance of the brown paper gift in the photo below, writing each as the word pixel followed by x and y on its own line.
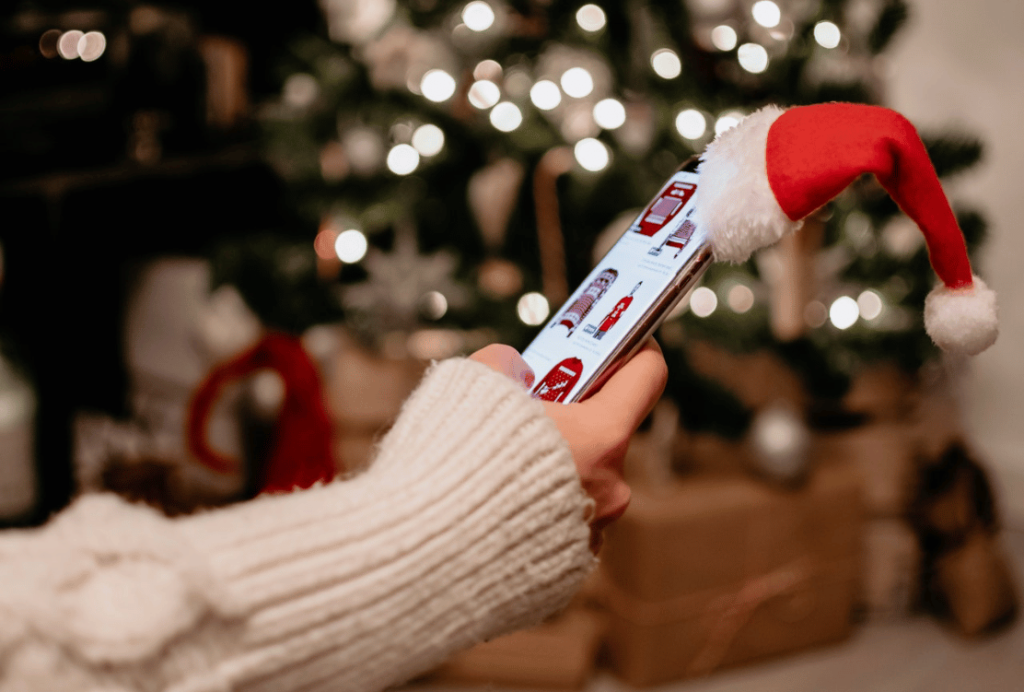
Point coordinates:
pixel 559 654
pixel 892 569
pixel 719 570
pixel 885 456
pixel 976 584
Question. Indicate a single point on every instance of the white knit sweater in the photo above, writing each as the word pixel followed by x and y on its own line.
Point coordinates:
pixel 471 522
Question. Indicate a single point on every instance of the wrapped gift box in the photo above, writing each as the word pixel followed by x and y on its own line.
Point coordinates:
pixel 559 654
pixel 885 456
pixel 722 569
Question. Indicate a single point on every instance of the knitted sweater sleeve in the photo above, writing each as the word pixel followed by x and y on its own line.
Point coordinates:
pixel 471 522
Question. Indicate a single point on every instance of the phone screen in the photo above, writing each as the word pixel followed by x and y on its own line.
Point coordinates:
pixel 640 276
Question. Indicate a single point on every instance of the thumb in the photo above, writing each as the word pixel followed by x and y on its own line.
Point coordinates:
pixel 507 361
pixel 631 393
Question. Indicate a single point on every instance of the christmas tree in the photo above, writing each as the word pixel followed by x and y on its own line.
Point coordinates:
pixel 460 164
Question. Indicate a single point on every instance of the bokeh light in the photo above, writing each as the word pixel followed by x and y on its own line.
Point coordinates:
pixel 532 309
pixel 403 159
pixel 428 140
pixel 592 154
pixel 545 95
pixel 484 94
pixel 753 58
pixel 691 124
pixel 609 114
pixel 827 34
pixel 48 43
pixel 844 312
pixel 506 116
pixel 766 13
pixel 703 301
pixel 870 304
pixel 591 18
pixel 666 63
pixel 67 44
pixel 350 246
pixel 577 82
pixel 723 37
pixel 727 121
pixel 478 15
pixel 487 69
pixel 437 85
pixel 91 46
pixel 740 298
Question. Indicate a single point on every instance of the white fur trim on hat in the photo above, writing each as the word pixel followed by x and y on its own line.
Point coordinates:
pixel 962 320
pixel 734 202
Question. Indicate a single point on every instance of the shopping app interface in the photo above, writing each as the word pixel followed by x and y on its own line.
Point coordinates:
pixel 617 293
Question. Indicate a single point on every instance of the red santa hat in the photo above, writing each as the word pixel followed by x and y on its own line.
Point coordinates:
pixel 760 179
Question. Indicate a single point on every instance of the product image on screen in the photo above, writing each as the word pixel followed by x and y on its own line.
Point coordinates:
pixel 635 282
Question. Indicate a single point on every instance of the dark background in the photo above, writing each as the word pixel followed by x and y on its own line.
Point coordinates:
pixel 77 214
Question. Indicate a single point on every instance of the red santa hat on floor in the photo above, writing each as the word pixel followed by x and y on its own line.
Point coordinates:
pixel 760 179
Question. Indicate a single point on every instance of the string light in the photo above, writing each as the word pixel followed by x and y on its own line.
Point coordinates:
pixel 870 304
pixel 609 114
pixel 703 302
pixel 590 18
pixel 506 116
pixel 727 121
pixel 577 82
pixel 91 46
pixel 844 312
pixel 532 309
pixel 753 58
pixel 67 44
pixel 827 34
pixel 478 15
pixel 723 37
pixel 691 124
pixel 545 95
pixel 403 159
pixel 740 298
pixel 487 69
pixel 592 154
pixel 350 246
pixel 484 94
pixel 437 85
pixel 666 63
pixel 766 13
pixel 428 140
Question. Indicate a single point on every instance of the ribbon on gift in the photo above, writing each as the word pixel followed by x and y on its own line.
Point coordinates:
pixel 728 612
pixel 737 608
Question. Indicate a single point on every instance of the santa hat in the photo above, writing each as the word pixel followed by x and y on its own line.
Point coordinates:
pixel 760 179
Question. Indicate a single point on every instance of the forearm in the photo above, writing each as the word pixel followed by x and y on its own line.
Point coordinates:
pixel 470 522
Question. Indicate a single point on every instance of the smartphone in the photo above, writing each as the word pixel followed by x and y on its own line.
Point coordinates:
pixel 652 267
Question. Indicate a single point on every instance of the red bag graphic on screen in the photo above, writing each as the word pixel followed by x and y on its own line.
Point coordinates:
pixel 559 381
pixel 664 209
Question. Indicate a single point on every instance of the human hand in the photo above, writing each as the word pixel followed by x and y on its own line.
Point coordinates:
pixel 598 429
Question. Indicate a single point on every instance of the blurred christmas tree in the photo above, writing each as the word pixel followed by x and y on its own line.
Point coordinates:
pixel 462 162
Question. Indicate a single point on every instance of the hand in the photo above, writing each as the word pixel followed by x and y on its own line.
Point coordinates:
pixel 598 429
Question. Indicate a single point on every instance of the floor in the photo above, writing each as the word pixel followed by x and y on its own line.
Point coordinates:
pixel 912 656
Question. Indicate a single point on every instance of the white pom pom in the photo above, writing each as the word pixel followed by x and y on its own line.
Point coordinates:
pixel 962 320
pixel 734 201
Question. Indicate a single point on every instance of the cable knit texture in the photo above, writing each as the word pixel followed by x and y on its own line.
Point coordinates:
pixel 471 522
